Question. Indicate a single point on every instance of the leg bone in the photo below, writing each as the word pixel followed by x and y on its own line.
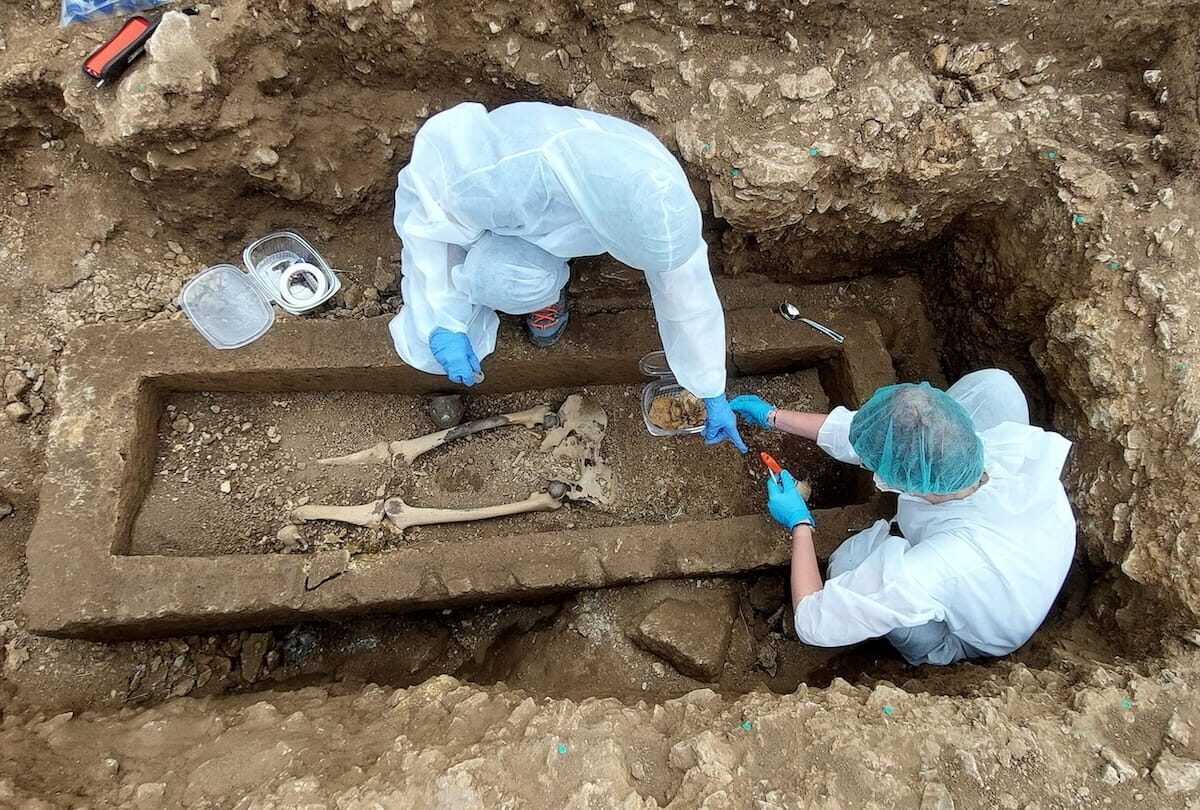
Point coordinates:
pixel 408 450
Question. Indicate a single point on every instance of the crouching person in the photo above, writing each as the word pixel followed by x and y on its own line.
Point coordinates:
pixel 985 531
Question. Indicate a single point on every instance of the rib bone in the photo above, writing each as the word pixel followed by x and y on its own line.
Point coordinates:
pixel 408 450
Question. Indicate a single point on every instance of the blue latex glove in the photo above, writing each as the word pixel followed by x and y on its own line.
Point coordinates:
pixel 720 423
pixel 753 409
pixel 453 351
pixel 786 503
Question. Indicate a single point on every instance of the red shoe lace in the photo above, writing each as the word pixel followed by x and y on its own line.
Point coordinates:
pixel 546 317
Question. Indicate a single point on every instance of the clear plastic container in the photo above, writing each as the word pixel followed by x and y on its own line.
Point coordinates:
pixel 231 308
pixel 226 306
pixel 270 257
pixel 655 364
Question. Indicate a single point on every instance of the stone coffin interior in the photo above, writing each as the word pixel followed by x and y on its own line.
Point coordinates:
pixel 123 595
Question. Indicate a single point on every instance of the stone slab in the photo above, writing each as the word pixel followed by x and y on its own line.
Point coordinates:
pixel 102 445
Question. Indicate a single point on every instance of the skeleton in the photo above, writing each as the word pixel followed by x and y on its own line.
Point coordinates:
pixel 574 432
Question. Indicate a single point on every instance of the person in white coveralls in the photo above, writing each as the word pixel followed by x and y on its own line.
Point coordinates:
pixel 493 204
pixel 984 531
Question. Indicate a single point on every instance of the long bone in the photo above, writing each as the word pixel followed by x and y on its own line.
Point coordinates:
pixel 400 515
pixel 408 450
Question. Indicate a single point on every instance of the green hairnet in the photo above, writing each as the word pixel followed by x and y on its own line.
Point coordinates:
pixel 918 439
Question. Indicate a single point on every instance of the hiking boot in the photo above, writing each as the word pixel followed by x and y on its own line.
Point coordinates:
pixel 545 326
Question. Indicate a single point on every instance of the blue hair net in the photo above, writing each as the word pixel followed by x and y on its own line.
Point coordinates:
pixel 508 274
pixel 918 439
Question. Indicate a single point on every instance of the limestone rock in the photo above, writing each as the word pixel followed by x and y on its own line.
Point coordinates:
pixel 1175 774
pixel 17 411
pixel 812 86
pixel 692 633
pixel 15 384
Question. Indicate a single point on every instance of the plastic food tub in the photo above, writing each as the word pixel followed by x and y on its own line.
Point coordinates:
pixel 654 364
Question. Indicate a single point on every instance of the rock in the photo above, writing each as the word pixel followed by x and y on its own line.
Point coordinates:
pixel 966 60
pixel 1175 774
pixel 1152 79
pixel 226 486
pixel 36 404
pixel 17 411
pixel 936 797
pixel 1177 728
pixel 6 509
pixel 691 633
pixel 983 82
pixel 767 659
pixel 21 199
pixel 1122 771
pixel 1146 122
pixel 1011 90
pixel 952 95
pixel 182 425
pixel 446 410
pixel 254 648
pixel 372 309
pixel 351 296
pixel 812 86
pixel 15 384
pixel 938 57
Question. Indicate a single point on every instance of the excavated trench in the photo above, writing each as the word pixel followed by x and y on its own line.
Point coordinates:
pixel 942 310
pixel 973 293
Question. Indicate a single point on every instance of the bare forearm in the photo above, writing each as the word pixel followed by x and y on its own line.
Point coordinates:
pixel 806 576
pixel 798 423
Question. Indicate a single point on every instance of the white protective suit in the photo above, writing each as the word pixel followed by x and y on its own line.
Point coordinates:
pixel 570 183
pixel 969 577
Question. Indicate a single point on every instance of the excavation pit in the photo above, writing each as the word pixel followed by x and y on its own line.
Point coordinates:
pixel 110 533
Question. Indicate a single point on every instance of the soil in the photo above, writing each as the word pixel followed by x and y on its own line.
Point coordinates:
pixel 263 449
pixel 1008 184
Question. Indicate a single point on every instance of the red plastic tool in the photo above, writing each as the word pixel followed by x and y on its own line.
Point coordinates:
pixel 121 50
pixel 772 465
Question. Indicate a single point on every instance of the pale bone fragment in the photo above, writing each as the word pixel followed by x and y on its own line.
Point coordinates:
pixel 582 424
pixel 400 516
pixel 408 450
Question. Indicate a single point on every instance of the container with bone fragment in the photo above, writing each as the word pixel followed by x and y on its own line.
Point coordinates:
pixel 668 409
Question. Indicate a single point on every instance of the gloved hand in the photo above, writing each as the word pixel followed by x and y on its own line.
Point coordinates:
pixel 786 503
pixel 720 423
pixel 453 352
pixel 753 409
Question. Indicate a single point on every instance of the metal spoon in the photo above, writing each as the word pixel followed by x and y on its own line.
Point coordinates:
pixel 790 312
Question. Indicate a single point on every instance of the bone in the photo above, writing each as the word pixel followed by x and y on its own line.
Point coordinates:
pixel 400 515
pixel 403 516
pixel 408 450
pixel 367 514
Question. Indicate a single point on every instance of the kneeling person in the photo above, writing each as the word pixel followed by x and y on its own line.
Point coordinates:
pixel 987 532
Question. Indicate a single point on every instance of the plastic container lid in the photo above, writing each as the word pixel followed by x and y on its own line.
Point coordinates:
pixel 226 306
pixel 655 364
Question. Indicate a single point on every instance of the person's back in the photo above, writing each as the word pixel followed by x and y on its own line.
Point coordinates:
pixel 986 531
pixel 996 559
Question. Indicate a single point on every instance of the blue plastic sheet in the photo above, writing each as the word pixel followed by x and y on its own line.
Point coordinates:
pixel 74 11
